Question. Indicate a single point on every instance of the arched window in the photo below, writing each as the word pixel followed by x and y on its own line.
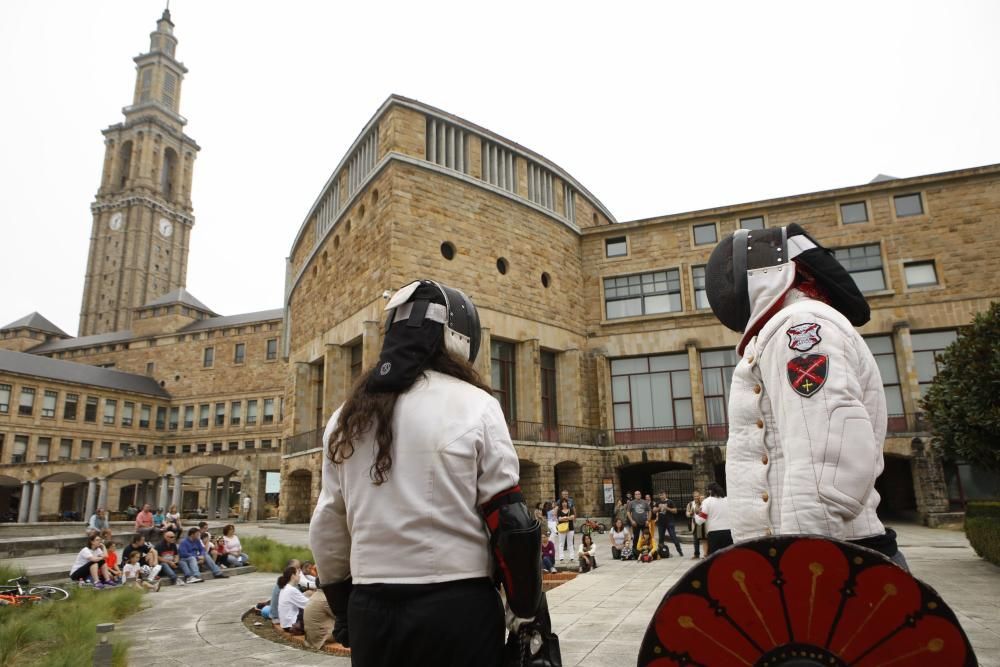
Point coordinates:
pixel 168 173
pixel 124 164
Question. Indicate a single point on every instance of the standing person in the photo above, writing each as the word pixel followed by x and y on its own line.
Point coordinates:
pixel 638 516
pixel 99 520
pixel 568 498
pixel 807 406
pixel 621 511
pixel 619 536
pixel 586 555
pixel 715 513
pixel 666 512
pixel 414 582
pixel 564 524
pixel 550 518
pixel 697 530
pixel 247 502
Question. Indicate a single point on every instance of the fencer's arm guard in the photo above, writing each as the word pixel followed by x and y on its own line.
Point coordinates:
pixel 516 542
pixel 337 596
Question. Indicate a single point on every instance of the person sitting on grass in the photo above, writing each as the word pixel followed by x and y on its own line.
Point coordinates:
pixel 318 620
pixel 588 561
pixel 111 561
pixel 291 601
pixel 89 567
pixel 309 575
pixel 150 560
pixel 548 553
pixel 232 549
pixel 647 546
pixel 132 572
pixel 169 560
pixel 192 557
pixel 270 610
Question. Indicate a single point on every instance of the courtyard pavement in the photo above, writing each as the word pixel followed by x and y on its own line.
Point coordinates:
pixel 600 617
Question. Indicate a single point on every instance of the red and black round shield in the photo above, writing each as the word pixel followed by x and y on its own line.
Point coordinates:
pixel 799 601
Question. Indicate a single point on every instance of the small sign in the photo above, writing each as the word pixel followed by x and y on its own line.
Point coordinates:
pixel 609 491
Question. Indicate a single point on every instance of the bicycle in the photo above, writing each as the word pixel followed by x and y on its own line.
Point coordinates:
pixel 590 526
pixel 15 593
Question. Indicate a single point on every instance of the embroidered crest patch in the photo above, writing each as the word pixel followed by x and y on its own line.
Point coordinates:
pixel 807 373
pixel 804 337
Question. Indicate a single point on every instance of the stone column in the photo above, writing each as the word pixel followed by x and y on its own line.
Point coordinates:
pixel 371 343
pixel 224 498
pixel 102 493
pixel 36 501
pixel 91 504
pixel 484 363
pixel 164 488
pixel 22 510
pixel 909 385
pixel 528 384
pixel 569 407
pixel 929 485
pixel 212 495
pixel 697 388
pixel 602 380
pixel 337 372
pixel 178 497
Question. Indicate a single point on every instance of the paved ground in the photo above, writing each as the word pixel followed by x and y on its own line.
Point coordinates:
pixel 600 617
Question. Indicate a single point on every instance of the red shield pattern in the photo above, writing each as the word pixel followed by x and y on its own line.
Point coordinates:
pixel 807 373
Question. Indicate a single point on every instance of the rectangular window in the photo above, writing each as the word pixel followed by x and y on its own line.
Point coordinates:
pixel 144 416
pixel 447 145
pixel 268 411
pixel 161 418
pixel 90 410
pixel 185 449
pixel 220 414
pixel 499 166
pixel 110 411
pixel 503 377
pixel 642 294
pixel 240 353
pixel 105 450
pixel 550 415
pixel 49 403
pixel 208 357
pixel 753 224
pixel 86 449
pixel 4 398
pixel 864 263
pixel 265 444
pixel 249 444
pixel 926 348
pixel 653 393
pixel 918 274
pixel 128 413
pixel 188 416
pixel 236 413
pixel 42 448
pixel 616 247
pixel 169 90
pixel 65 449
pixel 172 449
pixel 175 418
pixel 125 449
pixel 705 234
pixel 717 368
pixel 252 412
pixel 700 294
pixel 233 446
pixel 20 452
pixel 69 406
pixel 357 354
pixel 217 446
pixel 203 410
pixel 157 450
pixel 27 405
pixel 907 205
pixel 885 357
pixel 150 366
pixel 271 349
pixel 141 450
pixel 854 212
pixel 146 87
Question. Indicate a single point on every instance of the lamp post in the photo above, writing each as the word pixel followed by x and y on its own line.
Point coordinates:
pixel 104 651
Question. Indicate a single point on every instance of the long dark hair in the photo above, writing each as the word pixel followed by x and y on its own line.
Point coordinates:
pixel 364 407
pixel 287 575
pixel 715 490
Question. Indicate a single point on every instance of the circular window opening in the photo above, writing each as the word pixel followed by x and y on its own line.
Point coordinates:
pixel 448 250
pixel 374 195
pixel 546 279
pixel 502 266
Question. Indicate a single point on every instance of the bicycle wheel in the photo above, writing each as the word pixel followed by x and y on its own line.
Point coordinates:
pixel 48 593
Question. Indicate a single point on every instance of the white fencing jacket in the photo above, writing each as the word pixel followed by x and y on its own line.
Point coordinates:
pixel 451 453
pixel 807 423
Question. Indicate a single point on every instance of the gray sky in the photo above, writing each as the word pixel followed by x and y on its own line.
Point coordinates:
pixel 656 108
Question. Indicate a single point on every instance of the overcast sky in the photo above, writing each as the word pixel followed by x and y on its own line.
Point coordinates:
pixel 656 108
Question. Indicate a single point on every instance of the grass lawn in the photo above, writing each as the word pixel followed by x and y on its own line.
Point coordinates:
pixel 270 556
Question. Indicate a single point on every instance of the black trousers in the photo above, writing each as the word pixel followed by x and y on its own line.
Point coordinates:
pixel 719 539
pixel 453 624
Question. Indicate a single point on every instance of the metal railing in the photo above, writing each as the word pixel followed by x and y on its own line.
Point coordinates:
pixel 683 436
pixel 915 423
pixel 561 434
pixel 302 442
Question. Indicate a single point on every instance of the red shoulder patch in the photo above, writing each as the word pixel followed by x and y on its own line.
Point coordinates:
pixel 807 373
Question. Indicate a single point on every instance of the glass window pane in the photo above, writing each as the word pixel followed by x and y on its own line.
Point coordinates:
pixel 893 401
pixel 616 247
pixel 869 281
pixel 681 384
pixel 933 340
pixel 908 205
pixel 658 304
pixel 625 366
pixel 926 368
pixel 662 409
pixel 642 401
pixel 669 362
pixel 715 409
pixel 921 274
pixel 879 344
pixel 685 415
pixel 624 308
pixel 712 378
pixel 704 234
pixel 756 222
pixel 619 388
pixel 854 212
pixel 701 299
pixel 623 416
pixel 887 368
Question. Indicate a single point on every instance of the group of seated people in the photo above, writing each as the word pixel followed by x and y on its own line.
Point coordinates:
pixel 585 553
pixel 176 556
pixel 299 607
pixel 625 547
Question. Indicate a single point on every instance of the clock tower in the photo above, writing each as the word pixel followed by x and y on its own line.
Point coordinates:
pixel 142 213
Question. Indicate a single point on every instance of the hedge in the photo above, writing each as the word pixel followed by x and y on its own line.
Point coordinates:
pixel 982 527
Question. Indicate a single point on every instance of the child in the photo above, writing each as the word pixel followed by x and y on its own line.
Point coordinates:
pixel 548 553
pixel 647 547
pixel 111 562
pixel 588 561
pixel 132 572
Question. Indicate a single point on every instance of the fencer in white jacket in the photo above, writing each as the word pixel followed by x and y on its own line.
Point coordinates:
pixel 807 411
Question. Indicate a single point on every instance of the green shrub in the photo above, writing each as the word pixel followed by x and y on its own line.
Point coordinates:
pixel 64 633
pixel 982 527
pixel 270 556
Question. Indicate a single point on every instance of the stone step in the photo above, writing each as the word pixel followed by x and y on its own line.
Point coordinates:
pixel 61 575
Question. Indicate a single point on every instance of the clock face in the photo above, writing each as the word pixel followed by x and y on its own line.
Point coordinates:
pixel 166 228
pixel 115 223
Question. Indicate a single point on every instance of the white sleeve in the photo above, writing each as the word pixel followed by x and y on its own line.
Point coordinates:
pixel 329 537
pixel 496 457
pixel 826 436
